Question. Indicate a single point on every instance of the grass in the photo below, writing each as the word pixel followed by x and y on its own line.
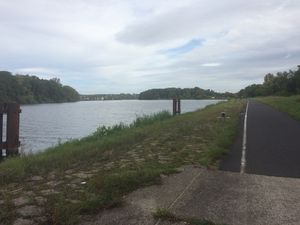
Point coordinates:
pixel 289 105
pixel 167 215
pixel 95 172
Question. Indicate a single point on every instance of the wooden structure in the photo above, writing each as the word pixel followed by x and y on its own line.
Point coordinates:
pixel 12 143
pixel 176 106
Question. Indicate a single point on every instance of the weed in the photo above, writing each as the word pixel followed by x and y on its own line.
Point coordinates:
pixel 61 212
pixel 165 214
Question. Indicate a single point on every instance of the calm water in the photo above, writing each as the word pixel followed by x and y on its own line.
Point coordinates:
pixel 46 125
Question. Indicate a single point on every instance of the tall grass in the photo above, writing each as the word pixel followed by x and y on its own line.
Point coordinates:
pixel 150 119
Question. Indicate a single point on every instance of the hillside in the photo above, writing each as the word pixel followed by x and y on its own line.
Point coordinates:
pixel 185 93
pixel 27 89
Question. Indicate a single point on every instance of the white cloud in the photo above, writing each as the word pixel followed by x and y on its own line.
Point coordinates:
pixel 115 46
pixel 211 64
pixel 34 70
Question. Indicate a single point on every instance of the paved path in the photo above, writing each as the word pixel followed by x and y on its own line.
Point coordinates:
pixel 273 144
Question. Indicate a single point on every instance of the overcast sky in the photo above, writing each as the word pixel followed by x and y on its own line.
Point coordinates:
pixel 113 46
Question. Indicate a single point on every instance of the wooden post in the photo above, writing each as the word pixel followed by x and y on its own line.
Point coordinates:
pixel 1 130
pixel 176 106
pixel 12 143
pixel 12 131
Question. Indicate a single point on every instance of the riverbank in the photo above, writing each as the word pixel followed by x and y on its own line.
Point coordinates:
pixel 289 105
pixel 84 176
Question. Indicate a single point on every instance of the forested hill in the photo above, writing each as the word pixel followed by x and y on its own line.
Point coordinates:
pixel 185 93
pixel 27 89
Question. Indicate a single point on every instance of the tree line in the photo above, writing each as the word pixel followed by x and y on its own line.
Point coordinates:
pixel 26 89
pixel 282 83
pixel 183 93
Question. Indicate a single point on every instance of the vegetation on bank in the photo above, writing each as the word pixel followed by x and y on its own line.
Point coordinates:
pixel 289 105
pixel 27 89
pixel 84 176
pixel 285 83
pixel 185 93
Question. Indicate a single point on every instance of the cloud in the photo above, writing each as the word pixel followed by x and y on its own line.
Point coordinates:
pixel 185 48
pixel 211 64
pixel 34 70
pixel 132 45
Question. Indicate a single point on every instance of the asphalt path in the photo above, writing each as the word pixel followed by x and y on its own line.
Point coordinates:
pixel 272 144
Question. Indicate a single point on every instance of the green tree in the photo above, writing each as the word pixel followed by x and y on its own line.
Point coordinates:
pixel 283 83
pixel 30 89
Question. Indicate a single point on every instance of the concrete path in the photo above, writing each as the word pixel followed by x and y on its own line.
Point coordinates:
pixel 273 144
pixel 223 197
pixel 242 199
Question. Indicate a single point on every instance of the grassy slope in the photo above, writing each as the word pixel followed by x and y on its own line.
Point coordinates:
pixel 115 161
pixel 289 105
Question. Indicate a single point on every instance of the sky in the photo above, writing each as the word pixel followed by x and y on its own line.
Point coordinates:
pixel 128 46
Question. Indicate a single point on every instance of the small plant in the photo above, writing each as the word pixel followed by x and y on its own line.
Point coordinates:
pixel 61 212
pixel 7 213
pixel 105 131
pixel 194 221
pixel 150 119
pixel 165 214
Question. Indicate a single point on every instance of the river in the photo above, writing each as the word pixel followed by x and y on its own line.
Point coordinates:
pixel 45 125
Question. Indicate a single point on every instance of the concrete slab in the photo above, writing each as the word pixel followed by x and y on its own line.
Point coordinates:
pixel 222 197
pixel 242 199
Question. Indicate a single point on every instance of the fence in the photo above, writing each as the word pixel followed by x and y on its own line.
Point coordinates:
pixel 11 145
